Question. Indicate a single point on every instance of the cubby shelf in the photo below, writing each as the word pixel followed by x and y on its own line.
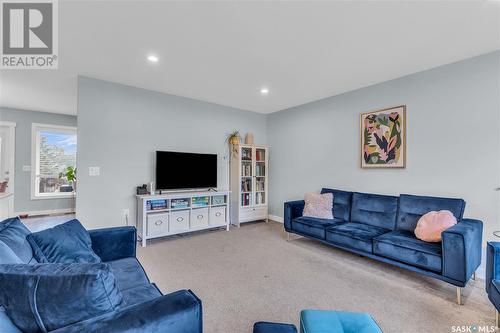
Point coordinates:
pixel 154 223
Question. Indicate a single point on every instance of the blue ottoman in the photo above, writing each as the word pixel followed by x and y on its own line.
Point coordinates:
pixel 323 321
pixel 265 327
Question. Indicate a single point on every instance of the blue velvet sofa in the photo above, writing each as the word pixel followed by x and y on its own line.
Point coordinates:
pixel 382 227
pixel 493 275
pixel 144 308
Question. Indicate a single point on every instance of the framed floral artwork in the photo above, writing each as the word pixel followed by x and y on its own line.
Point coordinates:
pixel 383 138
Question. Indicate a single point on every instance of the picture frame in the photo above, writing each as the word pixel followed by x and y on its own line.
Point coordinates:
pixel 383 138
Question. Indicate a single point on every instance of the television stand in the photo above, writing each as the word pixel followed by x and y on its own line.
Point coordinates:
pixel 174 213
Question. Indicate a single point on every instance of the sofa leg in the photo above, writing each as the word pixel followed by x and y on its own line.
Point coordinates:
pixel 459 296
pixel 496 318
pixel 474 276
pixel 287 236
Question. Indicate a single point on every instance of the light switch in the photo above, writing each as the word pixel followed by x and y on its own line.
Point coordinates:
pixel 26 167
pixel 94 171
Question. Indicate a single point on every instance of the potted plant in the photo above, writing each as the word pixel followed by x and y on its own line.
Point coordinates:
pixel 70 175
pixel 234 139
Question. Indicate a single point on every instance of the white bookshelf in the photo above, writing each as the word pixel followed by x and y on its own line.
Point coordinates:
pixel 249 183
pixel 176 213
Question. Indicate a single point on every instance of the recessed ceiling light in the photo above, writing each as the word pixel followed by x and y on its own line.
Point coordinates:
pixel 153 58
pixel 264 91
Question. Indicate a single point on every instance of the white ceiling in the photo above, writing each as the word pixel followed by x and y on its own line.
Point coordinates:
pixel 224 52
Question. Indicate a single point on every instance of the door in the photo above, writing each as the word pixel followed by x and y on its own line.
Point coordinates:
pixel 7 137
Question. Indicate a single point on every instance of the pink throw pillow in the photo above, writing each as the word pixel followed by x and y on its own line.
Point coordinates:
pixel 431 225
pixel 318 205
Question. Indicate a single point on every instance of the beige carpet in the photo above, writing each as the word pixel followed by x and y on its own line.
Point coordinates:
pixel 253 273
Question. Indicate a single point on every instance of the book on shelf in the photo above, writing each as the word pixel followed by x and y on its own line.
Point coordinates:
pixel 246 154
pixel 259 198
pixel 201 201
pixel 260 184
pixel 156 204
pixel 245 199
pixel 260 170
pixel 246 185
pixel 179 203
pixel 246 170
pixel 260 155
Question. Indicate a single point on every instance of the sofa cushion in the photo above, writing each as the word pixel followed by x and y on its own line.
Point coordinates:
pixel 312 226
pixel 374 209
pixel 403 246
pixel 354 235
pixel 65 243
pixel 342 201
pixel 13 233
pixel 7 256
pixel 128 273
pixel 140 294
pixel 44 297
pixel 412 207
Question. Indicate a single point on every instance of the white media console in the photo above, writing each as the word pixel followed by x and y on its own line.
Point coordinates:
pixel 175 213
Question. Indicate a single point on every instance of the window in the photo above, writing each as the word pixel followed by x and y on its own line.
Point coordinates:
pixel 53 151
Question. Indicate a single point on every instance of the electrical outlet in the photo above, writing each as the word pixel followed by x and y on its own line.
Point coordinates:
pixel 94 171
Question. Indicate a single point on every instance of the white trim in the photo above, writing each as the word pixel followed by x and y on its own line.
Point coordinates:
pixel 12 152
pixel 45 212
pixel 63 129
pixel 52 196
pixel 35 127
pixel 276 218
pixel 7 123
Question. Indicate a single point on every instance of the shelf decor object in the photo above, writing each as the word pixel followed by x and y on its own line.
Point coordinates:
pixel 233 140
pixel 249 138
pixel 249 184
pixel 383 138
pixel 181 212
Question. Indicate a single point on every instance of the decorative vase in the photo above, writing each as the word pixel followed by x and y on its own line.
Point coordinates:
pixel 249 138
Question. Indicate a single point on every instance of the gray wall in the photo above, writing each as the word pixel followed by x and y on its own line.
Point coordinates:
pixel 22 179
pixel 120 128
pixel 453 127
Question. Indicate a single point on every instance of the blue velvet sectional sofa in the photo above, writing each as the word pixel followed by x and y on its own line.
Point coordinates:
pixel 493 276
pixel 144 308
pixel 382 227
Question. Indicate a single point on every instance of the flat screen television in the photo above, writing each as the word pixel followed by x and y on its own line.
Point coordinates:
pixel 176 170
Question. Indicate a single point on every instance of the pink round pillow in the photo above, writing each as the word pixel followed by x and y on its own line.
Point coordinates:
pixel 431 225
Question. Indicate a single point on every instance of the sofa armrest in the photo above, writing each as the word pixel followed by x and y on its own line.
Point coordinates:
pixel 492 263
pixel 114 243
pixel 178 312
pixel 293 209
pixel 462 249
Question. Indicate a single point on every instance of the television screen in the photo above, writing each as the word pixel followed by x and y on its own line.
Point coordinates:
pixel 176 170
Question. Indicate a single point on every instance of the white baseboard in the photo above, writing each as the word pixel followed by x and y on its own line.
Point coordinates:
pixel 45 212
pixel 275 218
